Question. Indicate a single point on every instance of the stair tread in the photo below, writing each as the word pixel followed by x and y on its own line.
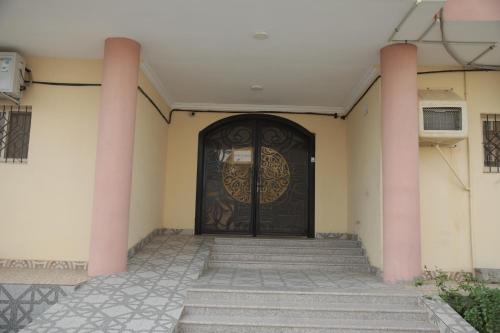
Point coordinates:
pixel 288 262
pixel 304 322
pixel 349 251
pixel 220 240
pixel 291 255
pixel 320 291
pixel 358 307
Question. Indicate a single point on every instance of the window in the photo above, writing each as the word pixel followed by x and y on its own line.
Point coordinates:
pixel 15 124
pixel 491 142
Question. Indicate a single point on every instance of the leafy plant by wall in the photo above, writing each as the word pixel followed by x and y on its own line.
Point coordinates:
pixel 472 299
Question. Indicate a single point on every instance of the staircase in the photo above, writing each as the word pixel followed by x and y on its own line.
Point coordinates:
pixel 289 254
pixel 217 309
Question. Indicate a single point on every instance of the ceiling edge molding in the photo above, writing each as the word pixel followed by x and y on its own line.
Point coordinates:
pixel 361 86
pixel 256 107
pixel 157 83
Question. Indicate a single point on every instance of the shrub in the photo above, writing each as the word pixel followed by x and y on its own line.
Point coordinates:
pixel 476 303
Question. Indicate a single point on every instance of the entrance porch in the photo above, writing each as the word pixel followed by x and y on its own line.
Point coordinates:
pixel 176 283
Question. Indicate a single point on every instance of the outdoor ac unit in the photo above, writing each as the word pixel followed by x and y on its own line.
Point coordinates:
pixel 442 117
pixel 12 71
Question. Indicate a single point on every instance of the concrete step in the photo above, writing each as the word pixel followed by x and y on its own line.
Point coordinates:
pixel 206 295
pixel 227 248
pixel 289 258
pixel 289 266
pixel 319 243
pixel 344 311
pixel 247 324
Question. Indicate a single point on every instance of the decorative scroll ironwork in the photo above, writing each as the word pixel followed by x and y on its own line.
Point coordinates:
pixel 491 142
pixel 274 176
pixel 231 178
pixel 287 213
pixel 15 124
pixel 223 212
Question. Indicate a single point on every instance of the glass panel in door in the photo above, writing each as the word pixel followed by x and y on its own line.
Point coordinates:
pixel 228 179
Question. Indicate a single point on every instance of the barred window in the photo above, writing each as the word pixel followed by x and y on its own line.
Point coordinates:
pixel 15 124
pixel 491 142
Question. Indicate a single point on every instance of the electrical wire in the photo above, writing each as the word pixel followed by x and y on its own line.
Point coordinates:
pixel 168 119
pixel 418 73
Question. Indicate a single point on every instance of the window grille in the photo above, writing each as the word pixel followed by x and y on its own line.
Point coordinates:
pixel 491 142
pixel 442 118
pixel 15 124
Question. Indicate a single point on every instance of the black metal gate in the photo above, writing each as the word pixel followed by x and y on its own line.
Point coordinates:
pixel 255 177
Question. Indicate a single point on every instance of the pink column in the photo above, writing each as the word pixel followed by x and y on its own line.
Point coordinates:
pixel 400 174
pixel 113 172
pixel 472 10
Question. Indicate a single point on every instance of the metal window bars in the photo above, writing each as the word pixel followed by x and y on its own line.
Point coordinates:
pixel 15 125
pixel 491 142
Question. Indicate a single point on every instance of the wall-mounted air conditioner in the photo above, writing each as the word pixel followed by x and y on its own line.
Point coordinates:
pixel 12 72
pixel 442 117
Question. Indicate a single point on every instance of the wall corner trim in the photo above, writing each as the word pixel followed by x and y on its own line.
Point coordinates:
pixel 156 82
pixel 364 82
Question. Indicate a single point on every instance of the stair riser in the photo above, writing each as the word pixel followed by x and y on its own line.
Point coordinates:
pixel 290 258
pixel 287 243
pixel 309 314
pixel 290 266
pixel 287 250
pixel 202 328
pixel 291 299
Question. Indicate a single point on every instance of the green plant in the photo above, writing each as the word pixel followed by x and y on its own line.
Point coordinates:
pixel 475 302
pixel 418 282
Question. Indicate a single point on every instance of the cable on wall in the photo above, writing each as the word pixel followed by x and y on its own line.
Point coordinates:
pixel 168 119
pixel 74 84
pixel 418 73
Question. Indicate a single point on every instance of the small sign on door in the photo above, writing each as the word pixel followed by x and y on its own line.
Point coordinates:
pixel 242 156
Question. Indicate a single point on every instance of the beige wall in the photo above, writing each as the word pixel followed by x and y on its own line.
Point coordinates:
pixel 444 204
pixel 47 203
pixel 445 213
pixel 331 178
pixel 364 174
pixel 148 175
pixel 483 96
pixel 446 217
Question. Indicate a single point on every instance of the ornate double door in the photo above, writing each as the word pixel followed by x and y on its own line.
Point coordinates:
pixel 255 177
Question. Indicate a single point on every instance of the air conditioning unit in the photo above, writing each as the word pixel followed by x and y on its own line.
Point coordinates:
pixel 442 117
pixel 12 72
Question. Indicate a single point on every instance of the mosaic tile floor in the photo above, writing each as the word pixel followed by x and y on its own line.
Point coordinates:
pixel 66 277
pixel 20 303
pixel 147 298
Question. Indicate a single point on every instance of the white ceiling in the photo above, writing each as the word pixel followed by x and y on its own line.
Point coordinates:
pixel 203 54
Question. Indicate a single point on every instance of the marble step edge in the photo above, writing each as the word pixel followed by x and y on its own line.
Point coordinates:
pixel 400 325
pixel 304 256
pixel 291 265
pixel 336 307
pixel 284 241
pixel 306 292
pixel 287 249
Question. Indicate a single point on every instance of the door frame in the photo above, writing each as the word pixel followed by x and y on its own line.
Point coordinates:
pixel 200 180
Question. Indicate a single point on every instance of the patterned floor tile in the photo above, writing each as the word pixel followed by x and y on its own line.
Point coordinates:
pixel 147 298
